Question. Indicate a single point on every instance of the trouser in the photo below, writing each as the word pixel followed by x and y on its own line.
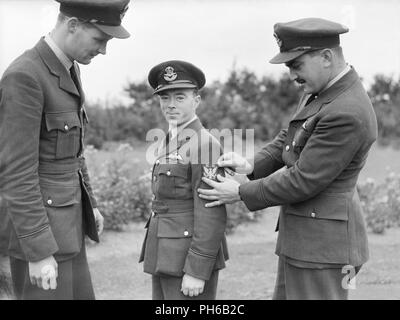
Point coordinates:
pixel 294 283
pixel 73 281
pixel 169 288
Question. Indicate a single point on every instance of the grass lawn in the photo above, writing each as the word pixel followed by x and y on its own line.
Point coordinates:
pixel 250 272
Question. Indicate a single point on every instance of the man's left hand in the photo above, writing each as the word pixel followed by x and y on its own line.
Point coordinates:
pixel 224 192
pixel 99 220
pixel 192 286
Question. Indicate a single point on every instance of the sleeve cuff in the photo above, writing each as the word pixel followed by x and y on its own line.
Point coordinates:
pixel 251 195
pixel 38 246
pixel 198 265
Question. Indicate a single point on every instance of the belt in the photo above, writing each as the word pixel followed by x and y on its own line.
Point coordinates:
pixel 172 206
pixel 59 167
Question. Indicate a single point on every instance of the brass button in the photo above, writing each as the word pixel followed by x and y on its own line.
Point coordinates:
pixel 293 143
pixel 186 233
pixel 168 173
pixel 49 202
pixel 287 148
pixel 312 214
pixel 157 162
pixel 66 127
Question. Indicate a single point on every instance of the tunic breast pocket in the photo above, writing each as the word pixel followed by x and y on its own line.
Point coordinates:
pixel 300 139
pixel 173 181
pixel 67 127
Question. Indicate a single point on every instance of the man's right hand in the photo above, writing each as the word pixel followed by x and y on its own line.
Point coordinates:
pixel 44 273
pixel 236 162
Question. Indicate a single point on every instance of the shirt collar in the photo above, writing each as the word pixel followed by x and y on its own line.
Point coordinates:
pixel 337 78
pixel 175 130
pixel 65 61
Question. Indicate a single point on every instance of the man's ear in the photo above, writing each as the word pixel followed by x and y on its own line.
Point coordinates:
pixel 72 24
pixel 197 100
pixel 327 55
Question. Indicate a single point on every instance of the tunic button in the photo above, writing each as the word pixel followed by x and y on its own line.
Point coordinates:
pixel 66 127
pixel 158 162
pixel 287 148
pixel 293 143
pixel 168 173
pixel 49 202
pixel 312 215
pixel 186 233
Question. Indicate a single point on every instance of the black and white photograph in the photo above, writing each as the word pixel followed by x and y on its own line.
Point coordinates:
pixel 199 150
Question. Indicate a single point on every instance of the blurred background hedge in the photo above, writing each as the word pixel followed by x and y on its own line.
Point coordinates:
pixel 243 101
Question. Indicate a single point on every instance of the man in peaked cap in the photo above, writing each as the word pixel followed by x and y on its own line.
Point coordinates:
pixel 322 240
pixel 185 245
pixel 50 203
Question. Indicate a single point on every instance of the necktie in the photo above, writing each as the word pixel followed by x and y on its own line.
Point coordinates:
pixel 168 138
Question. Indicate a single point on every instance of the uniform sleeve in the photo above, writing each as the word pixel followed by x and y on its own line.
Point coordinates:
pixel 329 150
pixel 269 159
pixel 20 115
pixel 209 226
pixel 86 180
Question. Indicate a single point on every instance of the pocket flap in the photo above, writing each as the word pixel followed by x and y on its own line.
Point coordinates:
pixel 62 121
pixel 175 170
pixel 55 196
pixel 301 137
pixel 323 206
pixel 180 226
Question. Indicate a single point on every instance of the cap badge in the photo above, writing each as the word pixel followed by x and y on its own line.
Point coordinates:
pixel 124 10
pixel 278 40
pixel 170 74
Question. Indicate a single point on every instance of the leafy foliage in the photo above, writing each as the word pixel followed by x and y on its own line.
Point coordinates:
pixel 381 203
pixel 385 96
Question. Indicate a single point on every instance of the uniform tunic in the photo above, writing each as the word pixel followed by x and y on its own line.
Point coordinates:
pixel 183 236
pixel 43 173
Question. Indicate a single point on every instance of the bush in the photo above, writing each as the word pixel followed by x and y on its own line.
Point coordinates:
pixel 122 195
pixel 238 214
pixel 381 203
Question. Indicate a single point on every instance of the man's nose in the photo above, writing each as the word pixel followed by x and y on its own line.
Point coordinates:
pixel 103 49
pixel 292 75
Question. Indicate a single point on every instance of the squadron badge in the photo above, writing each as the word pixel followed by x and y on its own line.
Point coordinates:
pixel 210 172
pixel 170 74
